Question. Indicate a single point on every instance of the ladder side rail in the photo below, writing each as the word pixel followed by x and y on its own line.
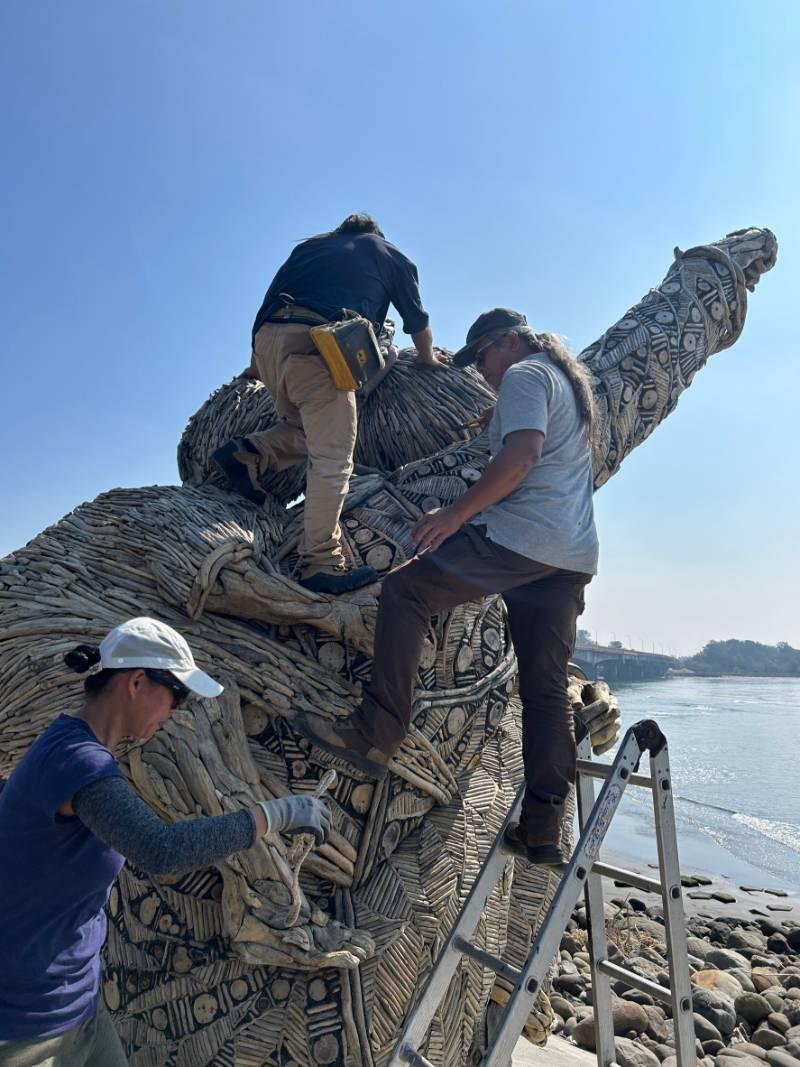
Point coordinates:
pixel 523 997
pixel 674 917
pixel 596 926
pixel 421 1014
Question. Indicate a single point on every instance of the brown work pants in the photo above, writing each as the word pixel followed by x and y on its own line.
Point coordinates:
pixel 543 605
pixel 317 427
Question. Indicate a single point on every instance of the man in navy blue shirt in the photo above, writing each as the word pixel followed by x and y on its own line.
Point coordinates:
pixel 352 267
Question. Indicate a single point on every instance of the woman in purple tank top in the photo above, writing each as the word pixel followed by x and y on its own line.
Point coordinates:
pixel 69 821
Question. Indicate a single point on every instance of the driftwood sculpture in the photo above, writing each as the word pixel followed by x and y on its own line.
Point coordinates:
pixel 232 966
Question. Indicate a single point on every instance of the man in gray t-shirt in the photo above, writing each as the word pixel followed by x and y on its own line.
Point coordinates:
pixel 549 515
pixel 525 529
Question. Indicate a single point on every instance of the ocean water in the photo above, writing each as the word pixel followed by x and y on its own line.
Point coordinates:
pixel 735 756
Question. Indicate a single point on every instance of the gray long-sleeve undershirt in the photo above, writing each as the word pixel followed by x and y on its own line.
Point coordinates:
pixel 124 822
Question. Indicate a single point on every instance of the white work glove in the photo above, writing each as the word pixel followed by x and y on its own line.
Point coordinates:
pixel 297 815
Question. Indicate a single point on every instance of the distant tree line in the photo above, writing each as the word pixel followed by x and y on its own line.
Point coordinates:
pixel 745 657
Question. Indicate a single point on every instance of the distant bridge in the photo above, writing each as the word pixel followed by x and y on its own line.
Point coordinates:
pixel 621 664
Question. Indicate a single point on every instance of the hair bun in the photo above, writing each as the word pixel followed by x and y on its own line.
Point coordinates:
pixel 83 657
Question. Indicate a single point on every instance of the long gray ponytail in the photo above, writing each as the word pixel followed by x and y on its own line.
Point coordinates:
pixel 578 373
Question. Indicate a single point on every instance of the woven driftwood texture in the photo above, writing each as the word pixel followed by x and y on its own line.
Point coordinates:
pixel 208 968
pixel 415 412
pixel 640 367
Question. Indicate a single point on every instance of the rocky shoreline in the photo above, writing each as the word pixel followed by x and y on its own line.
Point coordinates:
pixel 744 961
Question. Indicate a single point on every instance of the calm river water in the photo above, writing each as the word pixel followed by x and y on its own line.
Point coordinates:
pixel 735 752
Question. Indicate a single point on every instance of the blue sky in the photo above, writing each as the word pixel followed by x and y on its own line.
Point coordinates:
pixel 161 158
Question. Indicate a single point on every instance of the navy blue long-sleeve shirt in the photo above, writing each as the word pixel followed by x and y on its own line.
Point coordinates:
pixel 359 271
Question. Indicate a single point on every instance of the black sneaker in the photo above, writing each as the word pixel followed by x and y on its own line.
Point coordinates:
pixel 541 855
pixel 345 582
pixel 236 472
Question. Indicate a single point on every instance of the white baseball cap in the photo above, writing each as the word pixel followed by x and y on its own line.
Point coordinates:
pixel 146 642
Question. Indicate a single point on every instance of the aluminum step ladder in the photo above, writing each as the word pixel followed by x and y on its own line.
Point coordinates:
pixel 583 874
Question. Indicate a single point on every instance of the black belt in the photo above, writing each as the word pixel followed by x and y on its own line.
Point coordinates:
pixel 294 313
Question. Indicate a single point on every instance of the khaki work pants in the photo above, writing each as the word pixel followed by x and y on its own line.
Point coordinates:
pixel 543 605
pixel 318 428
pixel 94 1043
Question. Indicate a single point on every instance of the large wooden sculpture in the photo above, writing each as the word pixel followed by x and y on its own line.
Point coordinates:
pixel 245 964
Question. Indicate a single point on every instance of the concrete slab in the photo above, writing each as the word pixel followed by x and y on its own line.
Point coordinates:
pixel 556 1053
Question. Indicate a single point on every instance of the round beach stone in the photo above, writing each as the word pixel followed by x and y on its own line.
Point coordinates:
pixel 764 978
pixel 698 947
pixel 721 981
pixel 705 1030
pixel 632 1054
pixel 638 996
pixel 743 978
pixel 724 959
pixel 779 1057
pixel 572 943
pixel 572 984
pixel 627 1018
pixel 711 1048
pixel 716 1008
pixel 656 1023
pixel 562 1006
pixel 745 1048
pixel 724 1060
pixel 752 1007
pixel 767 1038
pixel 777 943
pixel 778 1021
pixel 774 999
pixel 749 940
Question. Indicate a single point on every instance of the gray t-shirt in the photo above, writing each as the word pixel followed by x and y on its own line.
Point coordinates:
pixel 549 517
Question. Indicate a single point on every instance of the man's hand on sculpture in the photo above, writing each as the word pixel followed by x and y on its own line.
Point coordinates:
pixel 432 360
pixel 486 417
pixel 435 528
pixel 297 815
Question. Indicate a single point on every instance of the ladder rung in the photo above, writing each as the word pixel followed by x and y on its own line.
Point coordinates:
pixel 602 770
pixel 412 1056
pixel 493 963
pixel 635 981
pixel 639 881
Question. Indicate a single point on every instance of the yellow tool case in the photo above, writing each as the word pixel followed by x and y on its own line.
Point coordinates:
pixel 350 350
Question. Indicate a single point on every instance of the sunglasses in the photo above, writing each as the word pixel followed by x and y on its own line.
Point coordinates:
pixel 179 691
pixel 485 346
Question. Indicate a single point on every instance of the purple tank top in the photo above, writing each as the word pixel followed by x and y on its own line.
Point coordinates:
pixel 55 877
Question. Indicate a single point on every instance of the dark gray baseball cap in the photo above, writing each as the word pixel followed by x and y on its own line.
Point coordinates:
pixel 489 322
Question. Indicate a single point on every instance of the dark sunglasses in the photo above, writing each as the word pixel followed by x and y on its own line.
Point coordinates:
pixel 179 691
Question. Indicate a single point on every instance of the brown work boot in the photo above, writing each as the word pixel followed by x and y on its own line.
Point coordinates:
pixel 546 854
pixel 343 741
